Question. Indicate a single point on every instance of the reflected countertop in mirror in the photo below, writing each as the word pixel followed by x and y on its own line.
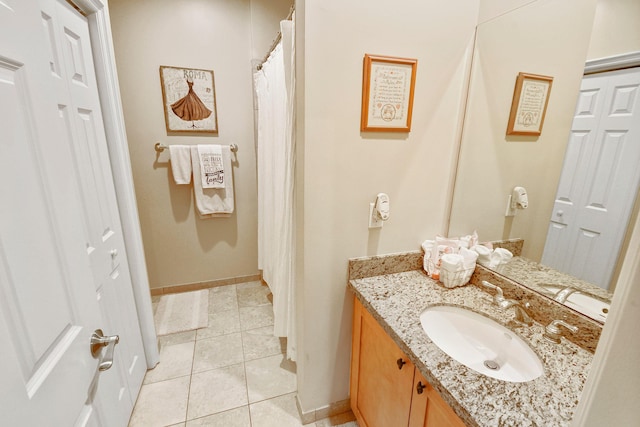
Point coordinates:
pixel 577 294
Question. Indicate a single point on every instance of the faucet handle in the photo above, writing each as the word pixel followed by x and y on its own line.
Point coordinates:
pixel 553 333
pixel 499 294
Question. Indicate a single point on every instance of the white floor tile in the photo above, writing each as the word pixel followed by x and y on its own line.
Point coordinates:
pixel 178 338
pixel 220 323
pixel 277 412
pixel 270 377
pixel 161 404
pixel 222 298
pixel 216 391
pixel 252 294
pixel 256 317
pixel 217 352
pixel 175 361
pixel 238 417
pixel 258 343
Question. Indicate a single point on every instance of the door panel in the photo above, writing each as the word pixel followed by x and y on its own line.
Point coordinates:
pixel 384 387
pixel 601 182
pixel 63 269
pixel 104 240
pixel 48 309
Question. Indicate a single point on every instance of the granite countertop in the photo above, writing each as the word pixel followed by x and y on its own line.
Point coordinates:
pixel 536 276
pixel 396 301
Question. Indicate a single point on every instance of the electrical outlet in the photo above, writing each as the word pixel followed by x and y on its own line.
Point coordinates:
pixel 374 220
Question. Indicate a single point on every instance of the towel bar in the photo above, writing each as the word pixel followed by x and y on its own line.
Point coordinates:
pixel 161 147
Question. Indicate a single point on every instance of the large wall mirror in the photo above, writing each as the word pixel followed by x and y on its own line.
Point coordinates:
pixel 551 38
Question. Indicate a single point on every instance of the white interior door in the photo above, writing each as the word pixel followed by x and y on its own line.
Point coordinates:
pixel 63 270
pixel 599 181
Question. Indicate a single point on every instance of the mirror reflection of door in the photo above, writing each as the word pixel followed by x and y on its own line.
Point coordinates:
pixel 599 180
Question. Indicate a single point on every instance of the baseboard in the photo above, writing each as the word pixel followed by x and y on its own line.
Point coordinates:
pixel 336 408
pixel 187 287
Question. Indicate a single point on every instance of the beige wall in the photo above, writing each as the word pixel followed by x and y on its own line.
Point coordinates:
pixel 616 28
pixel 344 169
pixel 210 34
pixel 265 24
pixel 534 39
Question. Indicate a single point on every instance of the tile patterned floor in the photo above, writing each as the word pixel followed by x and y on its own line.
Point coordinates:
pixel 231 374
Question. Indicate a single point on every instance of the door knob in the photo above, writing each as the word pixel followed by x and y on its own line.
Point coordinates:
pixel 98 341
pixel 420 387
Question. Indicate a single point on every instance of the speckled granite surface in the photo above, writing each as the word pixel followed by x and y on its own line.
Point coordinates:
pixel 543 309
pixel 512 245
pixel 385 264
pixel 535 276
pixel 396 301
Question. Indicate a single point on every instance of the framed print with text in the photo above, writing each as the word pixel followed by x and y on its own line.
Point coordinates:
pixel 387 93
pixel 529 104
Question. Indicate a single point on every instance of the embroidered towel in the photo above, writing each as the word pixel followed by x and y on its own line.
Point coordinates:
pixel 211 166
pixel 181 163
pixel 213 202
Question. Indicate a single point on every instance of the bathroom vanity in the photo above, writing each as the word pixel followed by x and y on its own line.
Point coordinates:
pixel 389 392
pixel 400 377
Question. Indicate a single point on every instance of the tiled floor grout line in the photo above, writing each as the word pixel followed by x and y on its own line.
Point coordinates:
pixel 193 361
pixel 244 364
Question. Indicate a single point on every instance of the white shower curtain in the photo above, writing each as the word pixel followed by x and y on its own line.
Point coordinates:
pixel 274 85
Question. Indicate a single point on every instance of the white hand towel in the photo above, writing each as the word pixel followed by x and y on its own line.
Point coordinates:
pixel 211 166
pixel 213 202
pixel 181 163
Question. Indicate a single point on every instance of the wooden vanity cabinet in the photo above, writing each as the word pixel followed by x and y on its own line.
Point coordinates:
pixel 427 407
pixel 386 389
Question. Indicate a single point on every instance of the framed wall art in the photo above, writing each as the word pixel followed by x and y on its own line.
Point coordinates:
pixel 529 104
pixel 387 93
pixel 189 99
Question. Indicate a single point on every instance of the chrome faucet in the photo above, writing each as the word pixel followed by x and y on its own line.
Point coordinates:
pixel 553 333
pixel 522 317
pixel 562 295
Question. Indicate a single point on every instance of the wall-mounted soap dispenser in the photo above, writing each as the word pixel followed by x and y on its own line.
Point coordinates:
pixel 518 199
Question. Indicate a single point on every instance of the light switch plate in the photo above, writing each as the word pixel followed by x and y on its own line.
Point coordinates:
pixel 510 211
pixel 374 220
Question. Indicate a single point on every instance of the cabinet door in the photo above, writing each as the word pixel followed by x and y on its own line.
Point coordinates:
pixel 428 409
pixel 381 375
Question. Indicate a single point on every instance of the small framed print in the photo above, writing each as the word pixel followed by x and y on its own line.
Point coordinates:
pixel 529 104
pixel 387 93
pixel 189 99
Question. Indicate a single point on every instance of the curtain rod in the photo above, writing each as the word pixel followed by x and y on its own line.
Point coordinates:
pixel 277 39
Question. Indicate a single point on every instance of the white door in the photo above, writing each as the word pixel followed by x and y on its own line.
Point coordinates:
pixel 63 269
pixel 599 181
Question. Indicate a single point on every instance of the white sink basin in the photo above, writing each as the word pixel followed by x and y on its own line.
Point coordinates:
pixel 585 304
pixel 481 344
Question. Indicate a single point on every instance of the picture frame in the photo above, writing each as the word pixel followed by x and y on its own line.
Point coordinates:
pixel 388 85
pixel 189 100
pixel 529 104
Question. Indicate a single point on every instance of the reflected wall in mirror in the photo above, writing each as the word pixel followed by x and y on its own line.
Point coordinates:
pixel 548 37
